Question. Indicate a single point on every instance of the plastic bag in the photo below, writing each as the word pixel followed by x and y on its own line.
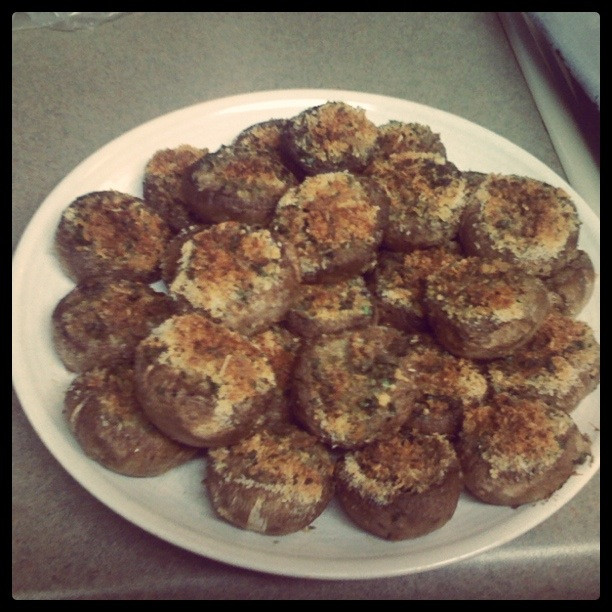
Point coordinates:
pixel 61 21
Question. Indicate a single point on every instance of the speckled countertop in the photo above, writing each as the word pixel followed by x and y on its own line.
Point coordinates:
pixel 75 91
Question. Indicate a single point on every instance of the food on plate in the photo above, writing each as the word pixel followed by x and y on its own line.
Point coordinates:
pixel 473 179
pixel 398 137
pixel 102 320
pixel 445 385
pixel 236 274
pixel 427 195
pixel 327 309
pixel 281 348
pixel 398 284
pixel 266 138
pixel 571 287
pixel 483 309
pixel 560 365
pixel 201 383
pixel 162 185
pixel 275 481
pixel 234 184
pixel 516 451
pixel 107 421
pixel 335 221
pixel 350 388
pixel 402 487
pixel 523 221
pixel 330 137
pixel 111 233
pixel 171 258
pixel 341 311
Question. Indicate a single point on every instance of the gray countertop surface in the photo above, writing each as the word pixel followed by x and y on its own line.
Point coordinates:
pixel 74 91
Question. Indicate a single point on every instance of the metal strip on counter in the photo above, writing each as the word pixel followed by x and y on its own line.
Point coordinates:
pixel 575 152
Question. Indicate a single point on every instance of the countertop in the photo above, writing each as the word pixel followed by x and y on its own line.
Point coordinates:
pixel 74 91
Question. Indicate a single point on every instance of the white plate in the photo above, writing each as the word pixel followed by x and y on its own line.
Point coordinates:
pixel 174 506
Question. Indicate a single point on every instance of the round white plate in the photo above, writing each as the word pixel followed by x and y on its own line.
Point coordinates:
pixel 174 506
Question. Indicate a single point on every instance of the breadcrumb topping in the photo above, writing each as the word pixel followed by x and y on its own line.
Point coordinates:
pixel 517 436
pixel 224 268
pixel 116 227
pixel 423 188
pixel 359 387
pixel 526 217
pixel 341 301
pixel 398 137
pixel 113 390
pixel 325 214
pixel 473 288
pixel 330 132
pixel 400 282
pixel 250 177
pixel 402 464
pixel 227 361
pixel 113 312
pixel 117 301
pixel 169 164
pixel 163 183
pixel 261 138
pixel 103 412
pixel 280 347
pixel 435 372
pixel 293 466
pixel 554 361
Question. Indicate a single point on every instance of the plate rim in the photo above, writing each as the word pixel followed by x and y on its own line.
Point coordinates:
pixel 342 569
